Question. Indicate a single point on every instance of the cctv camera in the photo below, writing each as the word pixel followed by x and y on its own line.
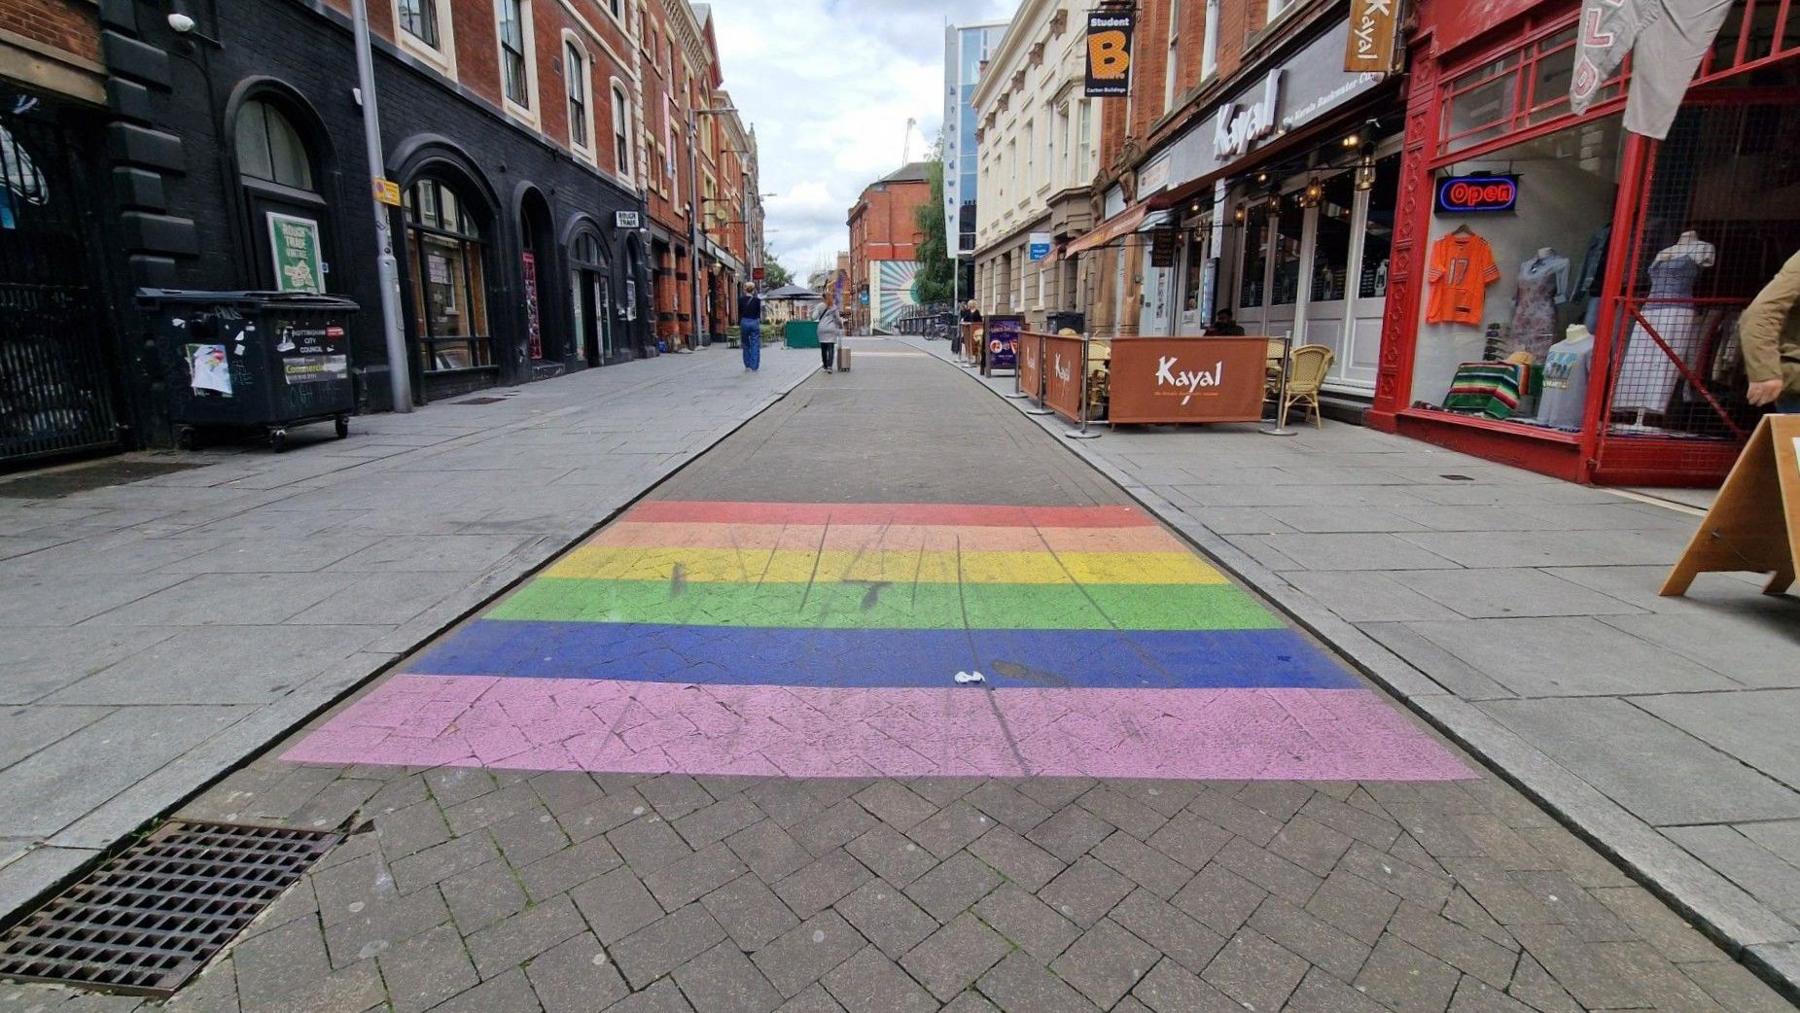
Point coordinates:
pixel 181 23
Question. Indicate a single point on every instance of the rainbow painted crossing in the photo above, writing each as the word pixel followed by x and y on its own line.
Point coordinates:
pixel 823 640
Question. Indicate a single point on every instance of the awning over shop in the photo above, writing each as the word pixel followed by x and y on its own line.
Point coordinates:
pixel 1122 224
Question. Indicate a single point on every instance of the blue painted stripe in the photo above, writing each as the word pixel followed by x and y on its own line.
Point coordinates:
pixel 1097 659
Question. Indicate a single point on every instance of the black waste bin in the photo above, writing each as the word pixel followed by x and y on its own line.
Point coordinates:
pixel 251 360
pixel 1066 320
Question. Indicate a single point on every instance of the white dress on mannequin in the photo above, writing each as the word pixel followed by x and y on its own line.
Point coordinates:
pixel 1647 376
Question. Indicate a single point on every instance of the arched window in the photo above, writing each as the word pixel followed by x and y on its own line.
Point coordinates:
pixel 621 127
pixel 448 278
pixel 270 149
pixel 288 216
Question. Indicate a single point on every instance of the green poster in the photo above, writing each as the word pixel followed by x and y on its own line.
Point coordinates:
pixel 294 242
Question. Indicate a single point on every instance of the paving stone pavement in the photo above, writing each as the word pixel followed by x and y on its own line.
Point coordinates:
pixel 155 634
pixel 1521 613
pixel 470 888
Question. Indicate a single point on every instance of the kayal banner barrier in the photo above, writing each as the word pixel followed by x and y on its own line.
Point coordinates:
pixel 1002 349
pixel 1065 374
pixel 1031 364
pixel 1109 53
pixel 1186 380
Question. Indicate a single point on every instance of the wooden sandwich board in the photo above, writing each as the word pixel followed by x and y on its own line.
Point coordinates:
pixel 1754 525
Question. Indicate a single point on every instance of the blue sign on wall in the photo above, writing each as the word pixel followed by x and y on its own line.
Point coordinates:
pixel 1038 248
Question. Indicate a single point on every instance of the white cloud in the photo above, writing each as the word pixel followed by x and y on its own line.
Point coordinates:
pixel 829 86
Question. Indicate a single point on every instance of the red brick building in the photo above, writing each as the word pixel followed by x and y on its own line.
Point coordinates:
pixel 884 230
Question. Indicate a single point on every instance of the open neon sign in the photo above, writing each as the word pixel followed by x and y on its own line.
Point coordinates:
pixel 1464 195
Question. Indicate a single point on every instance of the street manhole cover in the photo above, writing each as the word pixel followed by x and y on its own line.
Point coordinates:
pixel 479 400
pixel 68 481
pixel 151 917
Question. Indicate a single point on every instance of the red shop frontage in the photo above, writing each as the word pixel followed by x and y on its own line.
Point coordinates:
pixel 1571 306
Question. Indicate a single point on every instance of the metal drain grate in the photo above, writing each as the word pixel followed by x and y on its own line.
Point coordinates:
pixel 150 918
pixel 480 400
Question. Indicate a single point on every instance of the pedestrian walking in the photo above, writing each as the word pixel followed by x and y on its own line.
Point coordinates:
pixel 1769 333
pixel 831 330
pixel 971 314
pixel 750 327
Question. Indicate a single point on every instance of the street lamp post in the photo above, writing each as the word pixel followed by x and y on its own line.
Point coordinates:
pixel 387 267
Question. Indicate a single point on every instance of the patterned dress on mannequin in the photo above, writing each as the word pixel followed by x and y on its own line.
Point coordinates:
pixel 1543 283
pixel 1647 376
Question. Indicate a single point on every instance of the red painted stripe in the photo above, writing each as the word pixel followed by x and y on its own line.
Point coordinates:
pixel 971 515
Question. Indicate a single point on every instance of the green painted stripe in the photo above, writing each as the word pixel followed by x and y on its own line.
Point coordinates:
pixel 897 606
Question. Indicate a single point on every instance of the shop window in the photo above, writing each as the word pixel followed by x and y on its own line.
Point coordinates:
pixel 270 149
pixel 449 293
pixel 1521 89
pixel 1547 260
pixel 1256 257
pixel 1331 247
pixel 1378 236
pixel 1290 232
pixel 1195 263
pixel 1482 102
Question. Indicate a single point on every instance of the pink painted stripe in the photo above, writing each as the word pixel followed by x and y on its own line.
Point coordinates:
pixel 685 511
pixel 649 727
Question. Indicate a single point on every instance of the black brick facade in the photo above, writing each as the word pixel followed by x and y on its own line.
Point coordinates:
pixel 181 218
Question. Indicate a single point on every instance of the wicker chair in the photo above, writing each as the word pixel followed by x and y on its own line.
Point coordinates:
pixel 1307 366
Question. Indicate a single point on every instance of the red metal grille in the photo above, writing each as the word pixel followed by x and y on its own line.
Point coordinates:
pixel 1706 238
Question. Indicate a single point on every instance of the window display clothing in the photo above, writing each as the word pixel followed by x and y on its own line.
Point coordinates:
pixel 1543 284
pixel 1564 401
pixel 1593 274
pixel 1462 267
pixel 1647 376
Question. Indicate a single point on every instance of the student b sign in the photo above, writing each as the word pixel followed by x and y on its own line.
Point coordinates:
pixel 1109 53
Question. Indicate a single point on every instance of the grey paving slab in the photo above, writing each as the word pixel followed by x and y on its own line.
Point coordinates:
pixel 1745 862
pixel 1645 764
pixel 1511 593
pixel 1755 646
pixel 223 664
pixel 1360 596
pixel 1379 552
pixel 1569 656
pixel 1757 727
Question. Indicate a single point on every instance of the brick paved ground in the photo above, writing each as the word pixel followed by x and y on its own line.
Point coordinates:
pixel 471 889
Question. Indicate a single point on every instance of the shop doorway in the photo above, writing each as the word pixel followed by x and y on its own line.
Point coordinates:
pixel 590 288
pixel 448 268
pixel 536 260
pixel 1318 266
pixel 57 389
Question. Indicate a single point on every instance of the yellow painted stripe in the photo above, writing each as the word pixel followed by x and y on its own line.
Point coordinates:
pixel 702 565
pixel 887 537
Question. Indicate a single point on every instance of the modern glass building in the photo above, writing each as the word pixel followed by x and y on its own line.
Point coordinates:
pixel 965 47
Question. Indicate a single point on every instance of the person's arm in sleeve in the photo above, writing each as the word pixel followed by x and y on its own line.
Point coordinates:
pixel 1759 332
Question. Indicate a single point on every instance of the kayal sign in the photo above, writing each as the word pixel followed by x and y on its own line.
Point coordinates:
pixel 1109 53
pixel 1374 35
pixel 1471 195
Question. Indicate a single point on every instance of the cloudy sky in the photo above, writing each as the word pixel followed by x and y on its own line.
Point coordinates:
pixel 829 85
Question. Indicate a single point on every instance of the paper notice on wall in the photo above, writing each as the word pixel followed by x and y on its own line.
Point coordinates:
pixel 210 368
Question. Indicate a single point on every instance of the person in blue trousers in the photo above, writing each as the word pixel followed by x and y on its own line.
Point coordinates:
pixel 750 327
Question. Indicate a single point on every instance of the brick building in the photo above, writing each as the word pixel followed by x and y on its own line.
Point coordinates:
pixel 1264 171
pixel 884 243
pixel 520 133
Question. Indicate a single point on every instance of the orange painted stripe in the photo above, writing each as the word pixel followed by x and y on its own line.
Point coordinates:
pixel 961 515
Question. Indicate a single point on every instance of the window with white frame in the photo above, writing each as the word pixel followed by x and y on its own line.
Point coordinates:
pixel 1172 66
pixel 1085 139
pixel 424 30
pixel 617 7
pixel 1209 47
pixel 515 54
pixel 621 128
pixel 419 19
pixel 575 85
pixel 1277 6
pixel 1030 180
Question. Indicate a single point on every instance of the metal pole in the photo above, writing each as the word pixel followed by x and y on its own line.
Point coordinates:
pixel 387 266
pixel 1281 392
pixel 1086 407
pixel 695 208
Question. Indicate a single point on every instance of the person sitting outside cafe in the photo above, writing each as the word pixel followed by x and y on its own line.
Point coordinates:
pixel 1225 325
pixel 971 314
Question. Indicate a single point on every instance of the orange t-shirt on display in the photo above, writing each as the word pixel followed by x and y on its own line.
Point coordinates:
pixel 1462 267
